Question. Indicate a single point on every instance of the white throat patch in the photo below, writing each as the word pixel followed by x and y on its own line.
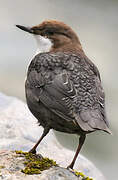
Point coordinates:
pixel 44 44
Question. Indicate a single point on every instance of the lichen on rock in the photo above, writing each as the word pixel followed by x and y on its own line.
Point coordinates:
pixel 2 167
pixel 21 165
pixel 78 174
pixel 35 163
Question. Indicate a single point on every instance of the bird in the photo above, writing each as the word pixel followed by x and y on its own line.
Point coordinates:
pixel 63 86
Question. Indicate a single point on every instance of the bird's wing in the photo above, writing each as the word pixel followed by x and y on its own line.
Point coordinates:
pixel 96 117
pixel 57 95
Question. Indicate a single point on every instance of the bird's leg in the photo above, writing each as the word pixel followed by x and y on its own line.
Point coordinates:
pixel 81 142
pixel 45 132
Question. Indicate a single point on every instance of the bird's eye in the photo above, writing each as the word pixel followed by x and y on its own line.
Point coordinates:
pixel 49 33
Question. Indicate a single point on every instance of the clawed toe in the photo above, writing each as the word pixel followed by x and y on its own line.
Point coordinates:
pixel 33 151
pixel 70 167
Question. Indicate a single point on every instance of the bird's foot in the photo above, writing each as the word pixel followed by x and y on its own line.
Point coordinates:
pixel 33 151
pixel 70 166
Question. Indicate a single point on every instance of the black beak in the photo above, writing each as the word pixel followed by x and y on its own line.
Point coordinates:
pixel 27 29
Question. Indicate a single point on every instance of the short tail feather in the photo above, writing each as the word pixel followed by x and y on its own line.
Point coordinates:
pixel 91 120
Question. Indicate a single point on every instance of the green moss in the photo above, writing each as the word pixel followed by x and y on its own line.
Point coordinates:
pixel 35 163
pixel 21 152
pixel 2 167
pixel 80 174
pixel 28 170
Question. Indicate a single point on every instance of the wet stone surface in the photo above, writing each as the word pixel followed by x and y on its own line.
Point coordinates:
pixel 13 166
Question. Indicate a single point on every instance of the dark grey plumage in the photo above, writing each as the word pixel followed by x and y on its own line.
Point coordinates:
pixel 63 87
pixel 64 92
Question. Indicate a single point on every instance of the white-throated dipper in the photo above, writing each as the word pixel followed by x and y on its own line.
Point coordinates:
pixel 63 87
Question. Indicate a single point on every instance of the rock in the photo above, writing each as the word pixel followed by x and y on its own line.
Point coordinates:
pixel 12 163
pixel 19 131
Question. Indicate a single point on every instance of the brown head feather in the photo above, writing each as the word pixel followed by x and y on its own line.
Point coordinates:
pixel 63 37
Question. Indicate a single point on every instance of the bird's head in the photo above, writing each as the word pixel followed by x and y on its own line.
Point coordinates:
pixel 54 36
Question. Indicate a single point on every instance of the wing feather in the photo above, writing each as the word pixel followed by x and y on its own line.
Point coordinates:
pixel 61 93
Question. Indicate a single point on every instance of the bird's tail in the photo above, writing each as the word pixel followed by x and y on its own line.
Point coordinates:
pixel 91 120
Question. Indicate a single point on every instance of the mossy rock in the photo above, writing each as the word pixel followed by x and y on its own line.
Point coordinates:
pixel 35 163
pixel 82 175
pixel 2 167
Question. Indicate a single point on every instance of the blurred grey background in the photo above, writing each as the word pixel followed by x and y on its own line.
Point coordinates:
pixel 96 23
